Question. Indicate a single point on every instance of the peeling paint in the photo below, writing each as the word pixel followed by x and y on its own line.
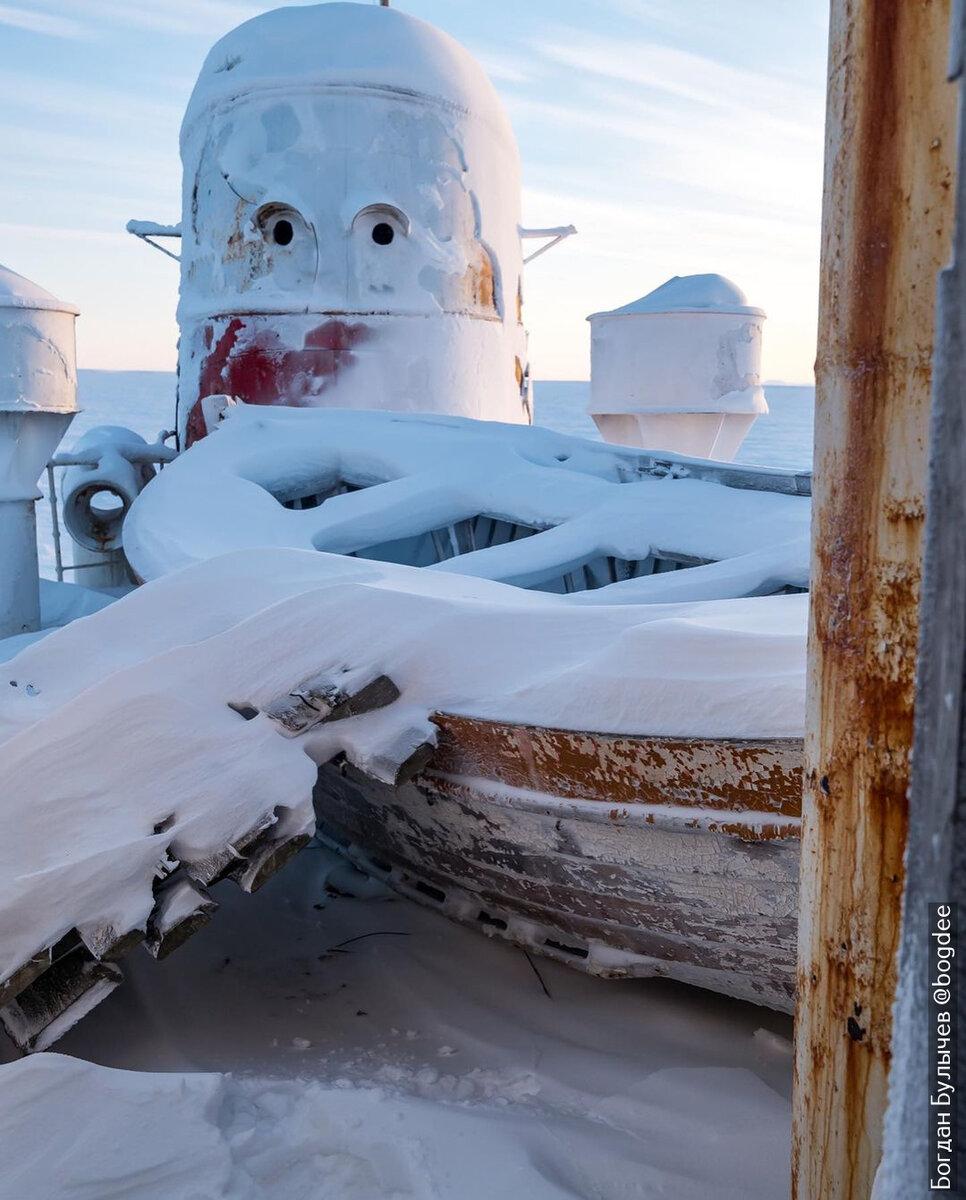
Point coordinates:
pixel 644 858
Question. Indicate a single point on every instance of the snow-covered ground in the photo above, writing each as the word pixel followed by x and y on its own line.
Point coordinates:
pixel 328 1039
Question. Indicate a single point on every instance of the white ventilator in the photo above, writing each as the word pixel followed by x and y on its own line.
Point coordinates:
pixel 679 369
pixel 38 400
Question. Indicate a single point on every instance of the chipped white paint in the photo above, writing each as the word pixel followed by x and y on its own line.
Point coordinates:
pixel 350 226
pixel 675 817
pixel 618 898
pixel 679 369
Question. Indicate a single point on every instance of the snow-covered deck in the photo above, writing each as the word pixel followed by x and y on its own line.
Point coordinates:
pixel 137 699
pixel 419 1060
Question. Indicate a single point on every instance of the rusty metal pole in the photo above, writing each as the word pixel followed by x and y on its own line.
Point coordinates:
pixel 887 225
pixel 919 1104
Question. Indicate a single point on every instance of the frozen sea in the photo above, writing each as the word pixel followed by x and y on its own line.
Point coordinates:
pixel 783 438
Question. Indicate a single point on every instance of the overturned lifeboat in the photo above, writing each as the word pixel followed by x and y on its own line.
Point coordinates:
pixel 549 686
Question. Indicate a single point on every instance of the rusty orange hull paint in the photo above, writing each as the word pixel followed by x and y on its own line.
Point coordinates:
pixel 886 232
pixel 760 776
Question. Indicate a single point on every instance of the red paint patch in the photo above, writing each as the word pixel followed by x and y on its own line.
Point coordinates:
pixel 251 362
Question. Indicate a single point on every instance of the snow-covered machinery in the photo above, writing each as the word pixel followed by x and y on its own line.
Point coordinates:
pixel 105 472
pixel 679 369
pixel 38 400
pixel 350 225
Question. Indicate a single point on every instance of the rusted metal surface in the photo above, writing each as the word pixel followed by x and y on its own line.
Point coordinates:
pixel 622 856
pixel 886 232
pixel 936 851
pixel 747 776
pixel 480 285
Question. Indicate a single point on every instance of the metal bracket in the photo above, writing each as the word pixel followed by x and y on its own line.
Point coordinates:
pixel 556 234
pixel 146 230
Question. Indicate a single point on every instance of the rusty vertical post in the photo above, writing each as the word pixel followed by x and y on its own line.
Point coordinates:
pixel 914 1155
pixel 887 223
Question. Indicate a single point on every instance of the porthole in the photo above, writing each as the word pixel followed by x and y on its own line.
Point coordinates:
pixel 381 224
pixel 281 226
pixel 288 251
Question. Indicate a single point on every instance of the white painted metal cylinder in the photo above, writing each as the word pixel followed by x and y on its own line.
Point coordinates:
pixel 19 581
pixel 679 369
pixel 38 399
pixel 350 222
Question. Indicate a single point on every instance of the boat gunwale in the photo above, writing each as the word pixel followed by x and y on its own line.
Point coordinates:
pixel 761 777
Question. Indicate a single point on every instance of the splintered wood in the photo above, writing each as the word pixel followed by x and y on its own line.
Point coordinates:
pixel 59 984
pixel 326 697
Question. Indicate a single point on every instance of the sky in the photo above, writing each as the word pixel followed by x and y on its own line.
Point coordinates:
pixel 679 136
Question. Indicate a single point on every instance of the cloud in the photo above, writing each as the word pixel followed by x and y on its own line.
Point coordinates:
pixel 34 21
pixel 67 98
pixel 13 229
pixel 190 17
pixel 505 68
pixel 625 248
pixel 643 147
pixel 678 137
pixel 686 76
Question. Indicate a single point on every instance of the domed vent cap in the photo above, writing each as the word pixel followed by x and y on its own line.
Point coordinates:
pixel 19 292
pixel 689 294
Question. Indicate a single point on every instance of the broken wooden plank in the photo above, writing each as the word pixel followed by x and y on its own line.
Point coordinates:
pixel 403 757
pixel 220 862
pixel 24 976
pixel 265 859
pixel 104 942
pixel 56 1001
pixel 36 965
pixel 183 907
pixel 325 697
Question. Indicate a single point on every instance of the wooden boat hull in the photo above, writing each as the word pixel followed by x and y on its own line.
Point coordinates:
pixel 621 856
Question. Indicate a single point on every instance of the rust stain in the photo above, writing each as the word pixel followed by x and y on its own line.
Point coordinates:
pixel 886 232
pixel 739 776
pixel 479 288
pixel 239 246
